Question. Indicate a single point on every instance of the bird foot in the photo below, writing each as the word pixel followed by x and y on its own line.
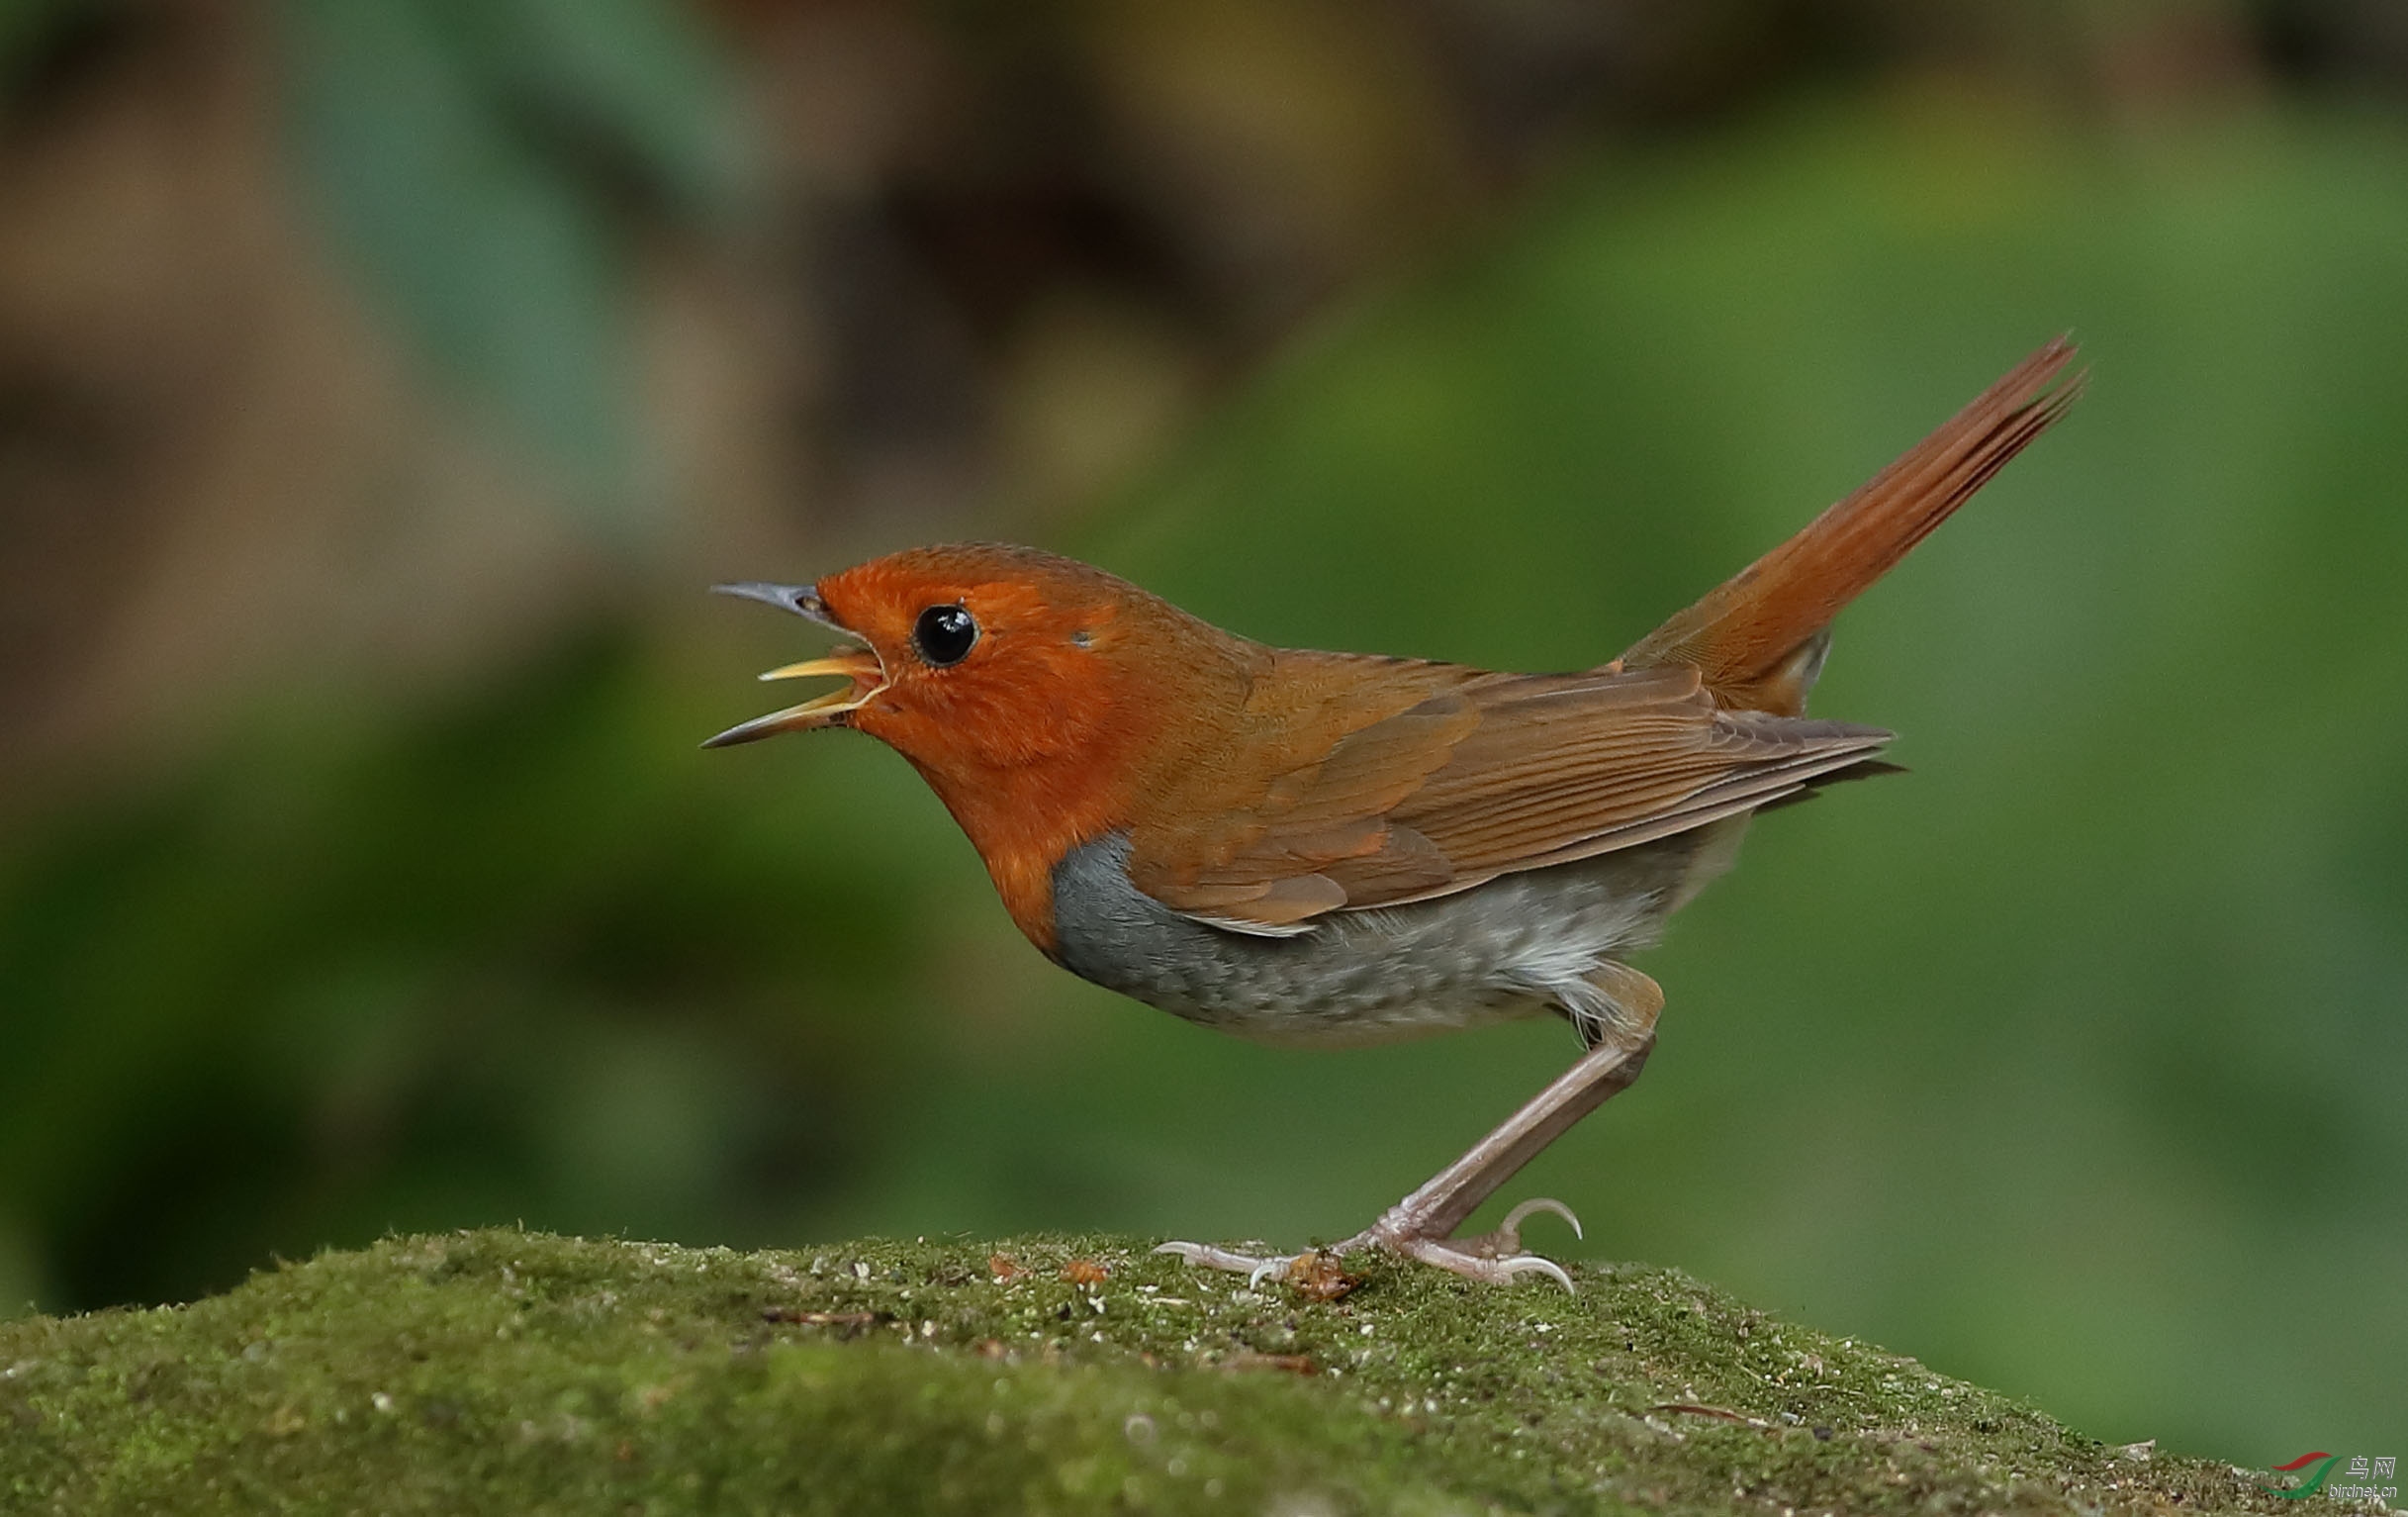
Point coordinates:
pixel 1254 1266
pixel 1494 1257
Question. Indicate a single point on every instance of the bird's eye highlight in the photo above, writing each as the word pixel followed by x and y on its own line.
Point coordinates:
pixel 945 634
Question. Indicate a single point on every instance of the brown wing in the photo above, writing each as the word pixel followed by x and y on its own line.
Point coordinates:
pixel 1411 781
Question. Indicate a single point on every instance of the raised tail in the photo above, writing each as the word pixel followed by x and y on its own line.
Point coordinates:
pixel 1759 637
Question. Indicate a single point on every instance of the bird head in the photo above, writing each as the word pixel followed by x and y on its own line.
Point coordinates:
pixel 979 654
pixel 1036 694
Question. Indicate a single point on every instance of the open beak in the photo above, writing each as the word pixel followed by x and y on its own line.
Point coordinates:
pixel 859 667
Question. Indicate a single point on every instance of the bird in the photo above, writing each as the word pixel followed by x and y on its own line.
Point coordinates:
pixel 1324 848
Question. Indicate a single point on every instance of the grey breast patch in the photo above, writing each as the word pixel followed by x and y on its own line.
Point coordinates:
pixel 1506 949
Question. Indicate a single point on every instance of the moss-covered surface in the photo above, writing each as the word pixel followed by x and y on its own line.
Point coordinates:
pixel 520 1372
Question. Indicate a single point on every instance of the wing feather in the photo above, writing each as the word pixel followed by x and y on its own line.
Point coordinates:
pixel 1411 781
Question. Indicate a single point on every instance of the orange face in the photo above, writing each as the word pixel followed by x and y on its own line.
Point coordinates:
pixel 1028 690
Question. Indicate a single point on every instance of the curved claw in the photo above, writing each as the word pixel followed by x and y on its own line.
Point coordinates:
pixel 1512 1226
pixel 1483 1260
pixel 1494 1269
pixel 1532 1263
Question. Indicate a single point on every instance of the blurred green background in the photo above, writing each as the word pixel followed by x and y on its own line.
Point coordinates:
pixel 382 380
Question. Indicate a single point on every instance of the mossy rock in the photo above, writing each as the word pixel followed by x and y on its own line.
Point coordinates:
pixel 509 1372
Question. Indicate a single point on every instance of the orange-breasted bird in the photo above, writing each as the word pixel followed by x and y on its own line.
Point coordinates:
pixel 1335 848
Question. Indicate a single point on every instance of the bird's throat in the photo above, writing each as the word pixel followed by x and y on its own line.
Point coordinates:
pixel 1023 821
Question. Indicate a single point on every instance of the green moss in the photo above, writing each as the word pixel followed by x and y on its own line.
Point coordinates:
pixel 522 1373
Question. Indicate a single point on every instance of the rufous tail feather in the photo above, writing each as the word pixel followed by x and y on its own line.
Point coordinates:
pixel 1758 639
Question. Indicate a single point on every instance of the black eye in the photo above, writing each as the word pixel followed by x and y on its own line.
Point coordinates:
pixel 945 634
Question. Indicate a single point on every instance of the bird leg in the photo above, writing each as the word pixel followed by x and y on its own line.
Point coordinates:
pixel 1422 1224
